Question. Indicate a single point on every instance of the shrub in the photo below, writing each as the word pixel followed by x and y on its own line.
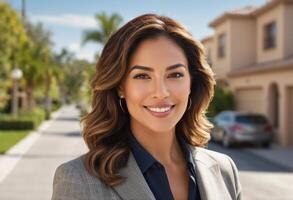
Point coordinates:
pixel 24 121
pixel 56 105
pixel 223 100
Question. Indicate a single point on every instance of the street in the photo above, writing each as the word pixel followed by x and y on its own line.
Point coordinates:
pixel 31 178
pixel 260 178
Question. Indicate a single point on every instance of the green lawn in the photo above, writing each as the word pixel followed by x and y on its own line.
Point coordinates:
pixel 10 138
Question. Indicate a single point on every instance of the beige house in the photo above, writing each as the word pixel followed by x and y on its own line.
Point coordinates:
pixel 251 52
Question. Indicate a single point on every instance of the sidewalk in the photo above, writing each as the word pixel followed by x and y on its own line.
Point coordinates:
pixel 276 154
pixel 30 166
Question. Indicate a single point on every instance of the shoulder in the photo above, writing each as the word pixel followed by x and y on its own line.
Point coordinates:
pixel 72 181
pixel 71 171
pixel 210 157
pixel 226 165
pixel 221 159
pixel 69 182
pixel 76 165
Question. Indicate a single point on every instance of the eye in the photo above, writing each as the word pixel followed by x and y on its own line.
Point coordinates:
pixel 140 76
pixel 177 75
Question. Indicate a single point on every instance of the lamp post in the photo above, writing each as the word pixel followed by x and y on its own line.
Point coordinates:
pixel 16 74
pixel 23 9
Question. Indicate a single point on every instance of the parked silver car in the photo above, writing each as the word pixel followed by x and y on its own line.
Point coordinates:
pixel 237 127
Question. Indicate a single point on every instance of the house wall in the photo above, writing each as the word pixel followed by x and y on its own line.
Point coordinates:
pixel 262 83
pixel 243 42
pixel 265 55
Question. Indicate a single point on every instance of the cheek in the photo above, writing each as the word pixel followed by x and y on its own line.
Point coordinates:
pixel 181 88
pixel 135 92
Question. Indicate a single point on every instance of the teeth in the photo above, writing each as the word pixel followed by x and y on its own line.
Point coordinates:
pixel 160 109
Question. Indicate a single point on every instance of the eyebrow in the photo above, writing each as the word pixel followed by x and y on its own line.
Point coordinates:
pixel 151 69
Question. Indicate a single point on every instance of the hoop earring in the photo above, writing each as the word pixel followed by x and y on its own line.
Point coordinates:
pixel 120 103
pixel 189 104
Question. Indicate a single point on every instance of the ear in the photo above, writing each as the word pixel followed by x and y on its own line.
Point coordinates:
pixel 120 91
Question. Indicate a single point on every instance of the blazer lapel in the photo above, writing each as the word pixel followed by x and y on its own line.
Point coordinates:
pixel 209 179
pixel 135 186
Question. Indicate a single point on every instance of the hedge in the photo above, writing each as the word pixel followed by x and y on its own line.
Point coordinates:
pixel 24 121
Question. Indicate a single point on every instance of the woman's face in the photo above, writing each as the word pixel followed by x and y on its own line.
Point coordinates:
pixel 157 86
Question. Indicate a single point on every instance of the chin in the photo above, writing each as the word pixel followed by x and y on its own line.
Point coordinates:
pixel 160 127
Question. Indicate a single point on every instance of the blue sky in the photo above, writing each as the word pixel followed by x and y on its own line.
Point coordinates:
pixel 67 19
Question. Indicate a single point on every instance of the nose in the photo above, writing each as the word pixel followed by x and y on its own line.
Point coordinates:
pixel 160 89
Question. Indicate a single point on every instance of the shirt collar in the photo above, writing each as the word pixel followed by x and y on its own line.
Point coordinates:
pixel 143 158
pixel 185 148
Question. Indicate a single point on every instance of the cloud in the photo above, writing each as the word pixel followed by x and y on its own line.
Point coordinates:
pixel 86 55
pixel 74 47
pixel 69 20
pixel 81 52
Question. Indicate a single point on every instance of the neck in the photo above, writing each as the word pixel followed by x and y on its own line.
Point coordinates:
pixel 163 146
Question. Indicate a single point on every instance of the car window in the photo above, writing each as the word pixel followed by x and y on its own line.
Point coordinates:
pixel 223 117
pixel 251 119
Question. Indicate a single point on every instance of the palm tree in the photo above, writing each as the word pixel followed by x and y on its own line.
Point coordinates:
pixel 61 61
pixel 36 66
pixel 108 25
pixel 12 37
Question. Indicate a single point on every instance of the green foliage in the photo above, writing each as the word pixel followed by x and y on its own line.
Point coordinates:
pixel 39 69
pixel 35 62
pixel 76 77
pixel 108 25
pixel 17 124
pixel 12 37
pixel 46 77
pixel 223 100
pixel 56 105
pixel 29 47
pixel 3 99
pixel 24 121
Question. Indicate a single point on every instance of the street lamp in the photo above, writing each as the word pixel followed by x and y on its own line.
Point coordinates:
pixel 16 74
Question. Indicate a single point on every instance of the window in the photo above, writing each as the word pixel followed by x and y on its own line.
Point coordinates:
pixel 221 45
pixel 251 119
pixel 223 117
pixel 270 35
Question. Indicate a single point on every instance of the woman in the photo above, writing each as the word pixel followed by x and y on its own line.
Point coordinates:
pixel 147 127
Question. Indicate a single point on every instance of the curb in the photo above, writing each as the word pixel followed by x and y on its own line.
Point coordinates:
pixel 15 153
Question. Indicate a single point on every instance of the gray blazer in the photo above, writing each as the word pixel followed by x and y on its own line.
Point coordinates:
pixel 216 175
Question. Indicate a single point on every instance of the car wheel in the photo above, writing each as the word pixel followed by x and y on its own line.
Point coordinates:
pixel 226 141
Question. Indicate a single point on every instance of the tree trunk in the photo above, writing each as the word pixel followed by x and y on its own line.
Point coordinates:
pixel 61 92
pixel 30 98
pixel 48 100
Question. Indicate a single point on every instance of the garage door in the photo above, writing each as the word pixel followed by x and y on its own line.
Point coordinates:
pixel 290 116
pixel 249 100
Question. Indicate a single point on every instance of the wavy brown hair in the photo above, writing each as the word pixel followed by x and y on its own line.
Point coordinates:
pixel 104 126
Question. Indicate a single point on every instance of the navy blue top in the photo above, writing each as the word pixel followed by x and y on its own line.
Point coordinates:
pixel 155 175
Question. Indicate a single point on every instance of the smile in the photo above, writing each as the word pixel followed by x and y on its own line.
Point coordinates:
pixel 160 112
